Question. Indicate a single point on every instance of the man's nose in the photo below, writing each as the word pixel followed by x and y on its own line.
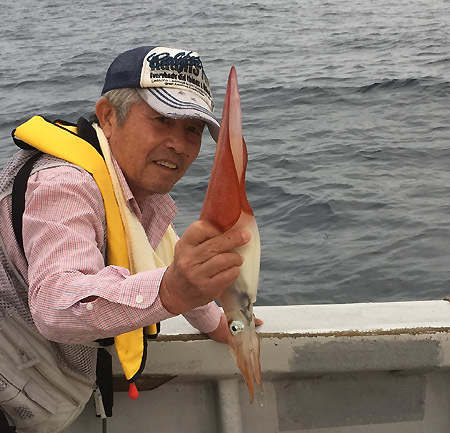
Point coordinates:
pixel 176 139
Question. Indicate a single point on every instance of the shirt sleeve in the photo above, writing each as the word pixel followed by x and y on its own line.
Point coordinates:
pixel 206 318
pixel 73 296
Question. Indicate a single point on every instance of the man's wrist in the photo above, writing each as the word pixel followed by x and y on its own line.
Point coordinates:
pixel 170 301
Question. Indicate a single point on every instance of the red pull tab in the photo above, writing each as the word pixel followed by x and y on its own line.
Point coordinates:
pixel 133 392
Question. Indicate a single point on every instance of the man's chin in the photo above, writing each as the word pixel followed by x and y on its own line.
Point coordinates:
pixel 162 188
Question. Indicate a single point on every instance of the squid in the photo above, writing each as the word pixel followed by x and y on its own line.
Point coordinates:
pixel 226 206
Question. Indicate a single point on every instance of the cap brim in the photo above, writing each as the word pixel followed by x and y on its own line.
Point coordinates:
pixel 180 104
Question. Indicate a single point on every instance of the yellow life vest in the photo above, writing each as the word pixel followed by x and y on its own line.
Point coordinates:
pixel 63 142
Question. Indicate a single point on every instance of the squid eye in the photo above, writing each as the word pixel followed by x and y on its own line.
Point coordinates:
pixel 236 327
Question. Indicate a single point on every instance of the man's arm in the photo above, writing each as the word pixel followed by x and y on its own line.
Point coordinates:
pixel 74 298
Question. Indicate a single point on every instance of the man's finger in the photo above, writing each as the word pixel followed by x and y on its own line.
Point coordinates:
pixel 222 243
pixel 220 263
pixel 223 280
pixel 209 241
pixel 199 232
pixel 258 322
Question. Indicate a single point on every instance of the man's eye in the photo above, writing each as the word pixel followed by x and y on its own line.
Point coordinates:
pixel 196 127
pixel 162 119
pixel 195 130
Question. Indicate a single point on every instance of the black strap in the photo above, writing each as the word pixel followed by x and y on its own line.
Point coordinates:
pixel 18 197
pixel 87 132
pixel 105 379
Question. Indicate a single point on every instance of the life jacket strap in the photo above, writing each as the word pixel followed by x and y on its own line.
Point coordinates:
pixel 18 197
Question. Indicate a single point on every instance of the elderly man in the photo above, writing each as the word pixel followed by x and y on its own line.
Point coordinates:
pixel 149 123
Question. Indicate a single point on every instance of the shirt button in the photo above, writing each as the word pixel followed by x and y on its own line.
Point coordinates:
pixel 139 299
pixel 89 306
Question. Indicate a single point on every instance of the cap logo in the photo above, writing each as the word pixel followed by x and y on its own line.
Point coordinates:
pixel 178 62
pixel 167 67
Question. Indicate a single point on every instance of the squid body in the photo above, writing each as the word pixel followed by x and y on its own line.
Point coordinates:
pixel 226 206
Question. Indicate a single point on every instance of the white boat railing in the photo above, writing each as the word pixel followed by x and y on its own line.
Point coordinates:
pixel 372 368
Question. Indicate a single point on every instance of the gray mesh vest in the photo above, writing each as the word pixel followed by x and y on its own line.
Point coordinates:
pixel 77 362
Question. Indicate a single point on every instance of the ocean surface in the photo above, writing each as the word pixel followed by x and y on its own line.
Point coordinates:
pixel 346 114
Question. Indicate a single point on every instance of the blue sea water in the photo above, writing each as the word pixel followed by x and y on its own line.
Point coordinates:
pixel 346 109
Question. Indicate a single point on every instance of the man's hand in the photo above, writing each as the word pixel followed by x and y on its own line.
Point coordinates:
pixel 204 266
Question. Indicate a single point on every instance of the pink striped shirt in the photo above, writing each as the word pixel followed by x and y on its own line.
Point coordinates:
pixel 64 236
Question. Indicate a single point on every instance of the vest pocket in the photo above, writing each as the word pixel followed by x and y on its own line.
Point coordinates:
pixel 19 406
pixel 21 398
pixel 33 390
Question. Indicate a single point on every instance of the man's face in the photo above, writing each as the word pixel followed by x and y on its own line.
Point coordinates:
pixel 152 150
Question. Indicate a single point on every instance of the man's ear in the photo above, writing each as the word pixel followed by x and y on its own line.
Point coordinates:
pixel 106 116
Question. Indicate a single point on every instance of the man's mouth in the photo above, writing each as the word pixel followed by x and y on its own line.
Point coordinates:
pixel 166 164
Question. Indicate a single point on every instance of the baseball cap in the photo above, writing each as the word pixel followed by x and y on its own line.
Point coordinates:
pixel 172 81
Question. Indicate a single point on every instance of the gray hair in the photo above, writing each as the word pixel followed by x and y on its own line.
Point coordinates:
pixel 122 100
